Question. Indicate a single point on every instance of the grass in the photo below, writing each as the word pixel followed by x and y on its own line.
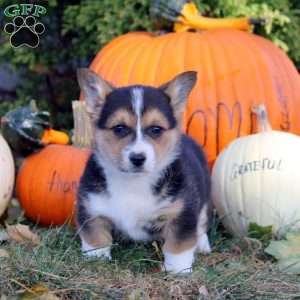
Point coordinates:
pixel 236 269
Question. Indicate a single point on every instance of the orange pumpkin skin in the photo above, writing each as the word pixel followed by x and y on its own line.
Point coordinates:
pixel 47 183
pixel 236 70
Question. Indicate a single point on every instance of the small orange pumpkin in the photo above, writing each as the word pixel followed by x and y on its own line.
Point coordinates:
pixel 236 70
pixel 47 183
pixel 48 180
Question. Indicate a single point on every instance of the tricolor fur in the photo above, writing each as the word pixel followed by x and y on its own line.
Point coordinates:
pixel 144 178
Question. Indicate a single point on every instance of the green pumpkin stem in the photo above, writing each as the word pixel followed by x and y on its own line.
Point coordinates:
pixel 263 123
pixel 82 126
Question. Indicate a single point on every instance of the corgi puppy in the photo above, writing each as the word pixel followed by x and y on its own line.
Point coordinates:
pixel 144 178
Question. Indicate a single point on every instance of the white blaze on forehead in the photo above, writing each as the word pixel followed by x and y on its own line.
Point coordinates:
pixel 140 144
pixel 137 101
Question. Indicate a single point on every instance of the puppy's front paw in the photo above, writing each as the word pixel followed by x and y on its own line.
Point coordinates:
pixel 103 253
pixel 91 251
pixel 203 245
pixel 180 263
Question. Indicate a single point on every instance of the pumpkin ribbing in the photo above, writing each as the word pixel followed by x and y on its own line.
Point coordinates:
pixel 7 174
pixel 236 70
pixel 256 180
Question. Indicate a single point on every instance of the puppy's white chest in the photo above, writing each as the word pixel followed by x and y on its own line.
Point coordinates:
pixel 129 204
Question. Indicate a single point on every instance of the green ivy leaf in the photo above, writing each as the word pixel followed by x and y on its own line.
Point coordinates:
pixel 287 252
pixel 262 233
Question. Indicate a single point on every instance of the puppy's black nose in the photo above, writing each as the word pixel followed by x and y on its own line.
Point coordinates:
pixel 137 159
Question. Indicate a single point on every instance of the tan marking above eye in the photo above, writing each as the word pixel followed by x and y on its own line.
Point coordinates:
pixel 121 116
pixel 153 117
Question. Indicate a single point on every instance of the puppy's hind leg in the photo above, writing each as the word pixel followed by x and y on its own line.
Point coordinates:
pixel 203 245
pixel 179 251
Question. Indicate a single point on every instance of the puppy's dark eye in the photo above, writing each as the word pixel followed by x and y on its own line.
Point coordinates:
pixel 154 131
pixel 121 131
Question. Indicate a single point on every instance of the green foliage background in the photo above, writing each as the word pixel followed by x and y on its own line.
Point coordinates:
pixel 77 29
pixel 282 19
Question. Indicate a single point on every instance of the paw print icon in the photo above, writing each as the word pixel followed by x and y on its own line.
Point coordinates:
pixel 24 31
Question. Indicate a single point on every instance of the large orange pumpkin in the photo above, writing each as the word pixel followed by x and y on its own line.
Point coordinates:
pixel 236 70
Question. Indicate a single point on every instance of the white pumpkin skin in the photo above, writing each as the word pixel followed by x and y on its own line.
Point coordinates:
pixel 7 174
pixel 257 179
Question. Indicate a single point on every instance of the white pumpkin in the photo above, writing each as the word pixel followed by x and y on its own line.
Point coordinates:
pixel 257 179
pixel 7 174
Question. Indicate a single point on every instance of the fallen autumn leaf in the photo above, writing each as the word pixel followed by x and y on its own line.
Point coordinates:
pixel 22 234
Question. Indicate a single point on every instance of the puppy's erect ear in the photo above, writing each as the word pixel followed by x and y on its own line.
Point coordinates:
pixel 178 89
pixel 95 89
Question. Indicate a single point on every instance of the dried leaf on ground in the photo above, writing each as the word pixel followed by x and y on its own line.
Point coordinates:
pixel 3 254
pixel 38 292
pixel 22 234
pixel 287 252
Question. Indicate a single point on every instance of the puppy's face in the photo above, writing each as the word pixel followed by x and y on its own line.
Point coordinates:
pixel 137 128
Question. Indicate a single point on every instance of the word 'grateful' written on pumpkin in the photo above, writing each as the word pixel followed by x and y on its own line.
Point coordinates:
pixel 254 166
pixel 58 184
